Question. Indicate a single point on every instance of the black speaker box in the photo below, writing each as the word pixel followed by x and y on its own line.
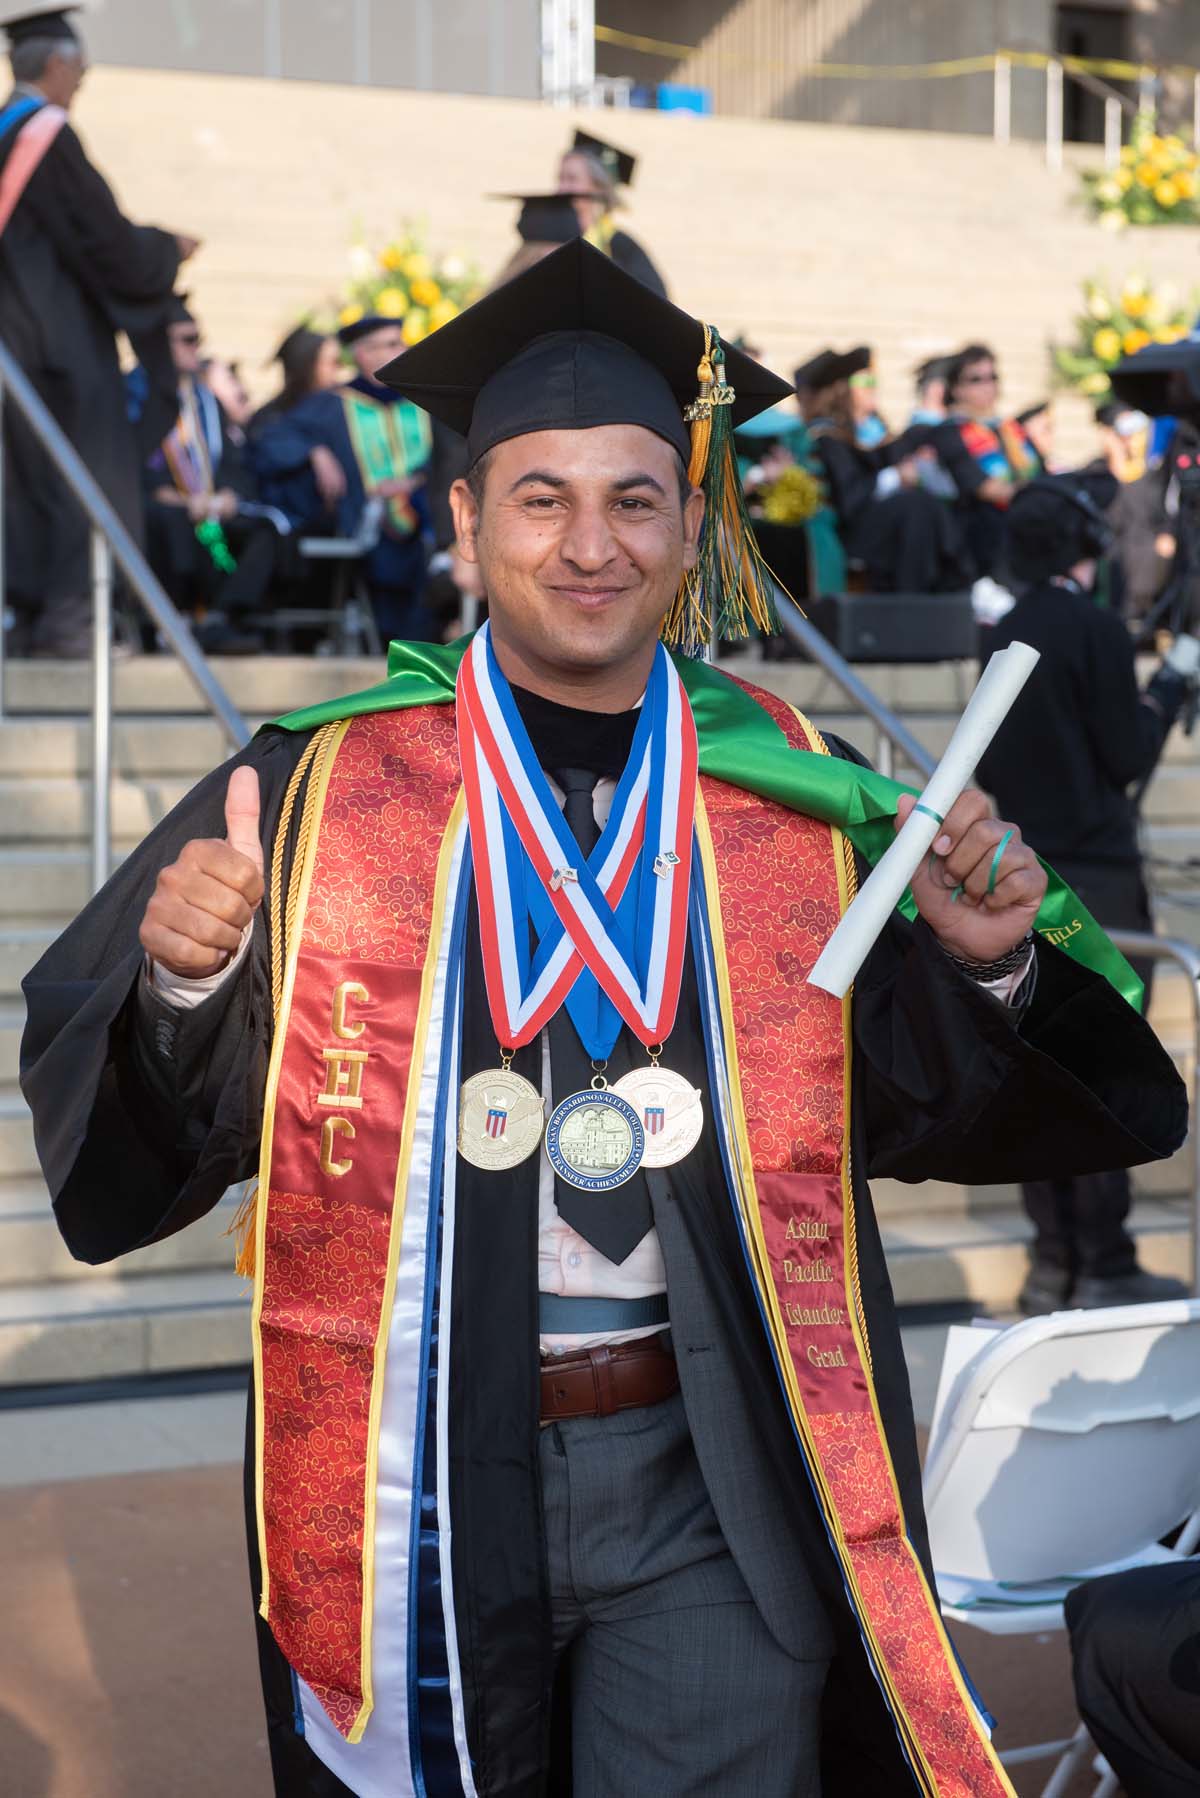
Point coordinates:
pixel 898 627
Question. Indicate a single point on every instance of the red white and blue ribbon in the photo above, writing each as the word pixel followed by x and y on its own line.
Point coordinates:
pixel 612 930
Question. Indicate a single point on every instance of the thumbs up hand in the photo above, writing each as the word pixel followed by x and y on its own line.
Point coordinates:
pixel 202 903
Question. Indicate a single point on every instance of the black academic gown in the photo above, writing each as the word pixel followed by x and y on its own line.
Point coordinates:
pixel 73 272
pixel 948 1084
pixel 628 254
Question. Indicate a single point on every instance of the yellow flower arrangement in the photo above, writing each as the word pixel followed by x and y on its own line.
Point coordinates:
pixel 401 280
pixel 1155 183
pixel 1116 321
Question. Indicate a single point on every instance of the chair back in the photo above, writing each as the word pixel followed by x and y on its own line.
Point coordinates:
pixel 1065 1444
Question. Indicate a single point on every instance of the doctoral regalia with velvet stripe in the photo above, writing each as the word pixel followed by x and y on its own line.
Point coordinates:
pixel 404 1623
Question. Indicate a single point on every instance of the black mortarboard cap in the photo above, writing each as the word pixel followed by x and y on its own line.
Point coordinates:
pixel 178 312
pixel 362 327
pixel 547 218
pixel 828 366
pixel 28 21
pixel 572 343
pixel 619 163
pixel 1144 380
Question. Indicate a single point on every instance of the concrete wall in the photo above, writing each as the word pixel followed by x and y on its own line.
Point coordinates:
pixel 798 234
pixel 452 46
pixel 751 55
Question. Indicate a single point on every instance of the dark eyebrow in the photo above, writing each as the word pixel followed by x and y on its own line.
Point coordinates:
pixel 538 477
pixel 542 477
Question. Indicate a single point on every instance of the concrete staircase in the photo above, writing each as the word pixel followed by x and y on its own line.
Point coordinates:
pixel 179 1304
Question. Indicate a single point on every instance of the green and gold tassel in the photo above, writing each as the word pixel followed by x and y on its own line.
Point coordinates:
pixel 730 591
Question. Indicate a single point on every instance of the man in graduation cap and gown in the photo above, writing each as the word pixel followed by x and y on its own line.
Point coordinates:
pixel 594 173
pixel 581 1456
pixel 346 445
pixel 73 272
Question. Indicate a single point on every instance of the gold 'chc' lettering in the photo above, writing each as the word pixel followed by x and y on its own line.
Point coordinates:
pixel 349 989
pixel 331 1129
pixel 343 1078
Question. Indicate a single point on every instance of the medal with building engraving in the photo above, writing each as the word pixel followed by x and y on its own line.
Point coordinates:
pixel 500 1118
pixel 671 1110
pixel 595 1139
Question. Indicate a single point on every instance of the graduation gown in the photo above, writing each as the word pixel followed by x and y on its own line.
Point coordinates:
pixel 73 272
pixel 279 455
pixel 947 1083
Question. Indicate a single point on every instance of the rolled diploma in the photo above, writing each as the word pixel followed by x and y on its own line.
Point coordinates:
pixel 879 895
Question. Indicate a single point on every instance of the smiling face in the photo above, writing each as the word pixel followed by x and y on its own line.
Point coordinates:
pixel 581 538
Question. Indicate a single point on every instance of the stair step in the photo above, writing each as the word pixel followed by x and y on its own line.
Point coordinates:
pixel 31 1249
pixel 43 747
pixel 58 808
pixel 12 1022
pixel 106 1326
pixel 22 942
pixel 18 1157
pixel 983 1259
pixel 260 686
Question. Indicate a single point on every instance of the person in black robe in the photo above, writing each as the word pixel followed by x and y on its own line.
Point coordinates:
pixel 594 173
pixel 73 272
pixel 952 1080
pixel 903 534
pixel 1135 1659
pixel 319 466
pixel 1063 763
pixel 216 548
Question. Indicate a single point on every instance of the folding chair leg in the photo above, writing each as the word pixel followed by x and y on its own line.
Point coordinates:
pixel 1109 1785
pixel 1076 1755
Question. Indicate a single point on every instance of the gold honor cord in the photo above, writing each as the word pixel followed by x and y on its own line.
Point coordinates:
pixel 244 1228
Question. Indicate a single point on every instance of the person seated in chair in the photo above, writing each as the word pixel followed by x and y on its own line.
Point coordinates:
pixel 333 452
pixel 210 541
pixel 987 457
pixel 1135 1650
pixel 904 535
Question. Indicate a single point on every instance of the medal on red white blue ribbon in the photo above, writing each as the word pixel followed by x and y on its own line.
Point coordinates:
pixel 612 929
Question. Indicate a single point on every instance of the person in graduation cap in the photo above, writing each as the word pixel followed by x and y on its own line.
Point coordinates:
pixel 581 1456
pixel 593 173
pixel 904 535
pixel 73 272
pixel 326 458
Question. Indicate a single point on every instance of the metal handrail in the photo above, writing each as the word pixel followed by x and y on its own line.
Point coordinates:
pixel 891 731
pixel 110 541
pixel 1141 944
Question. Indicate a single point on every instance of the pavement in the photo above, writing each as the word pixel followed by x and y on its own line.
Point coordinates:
pixel 127 1663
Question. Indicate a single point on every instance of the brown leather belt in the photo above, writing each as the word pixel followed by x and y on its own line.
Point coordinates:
pixel 596 1382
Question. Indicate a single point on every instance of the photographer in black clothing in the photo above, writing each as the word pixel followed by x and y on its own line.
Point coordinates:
pixel 1078 738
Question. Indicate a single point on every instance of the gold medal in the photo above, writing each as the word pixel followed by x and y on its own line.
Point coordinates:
pixel 670 1110
pixel 594 1139
pixel 500 1117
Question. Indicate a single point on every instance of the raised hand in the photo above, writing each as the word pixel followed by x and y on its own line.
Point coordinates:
pixel 203 902
pixel 951 887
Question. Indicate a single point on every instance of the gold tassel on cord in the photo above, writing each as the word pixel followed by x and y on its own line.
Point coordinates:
pixel 730 591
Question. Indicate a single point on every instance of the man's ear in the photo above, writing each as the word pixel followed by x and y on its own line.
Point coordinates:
pixel 465 513
pixel 693 524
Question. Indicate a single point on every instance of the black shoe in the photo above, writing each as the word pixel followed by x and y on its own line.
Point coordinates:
pixel 1046 1289
pixel 1093 1293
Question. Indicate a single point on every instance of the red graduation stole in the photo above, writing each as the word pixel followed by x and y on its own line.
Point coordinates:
pixel 366 910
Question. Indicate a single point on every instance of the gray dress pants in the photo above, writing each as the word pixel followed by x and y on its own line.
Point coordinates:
pixel 679 1690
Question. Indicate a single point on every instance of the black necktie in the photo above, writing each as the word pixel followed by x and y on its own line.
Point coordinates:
pixel 613 1222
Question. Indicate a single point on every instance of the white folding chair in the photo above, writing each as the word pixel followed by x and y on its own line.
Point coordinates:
pixel 1061 1449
